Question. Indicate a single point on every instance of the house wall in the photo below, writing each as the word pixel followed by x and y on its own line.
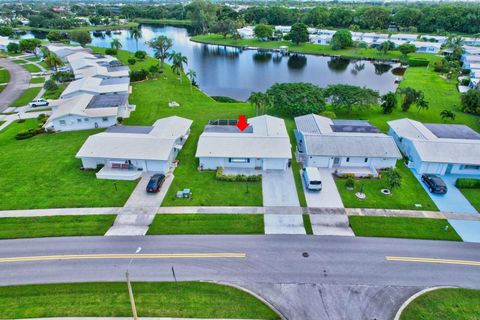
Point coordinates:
pixel 146 165
pixel 211 163
pixel 72 123
pixel 460 169
pixel 275 164
pixel 328 162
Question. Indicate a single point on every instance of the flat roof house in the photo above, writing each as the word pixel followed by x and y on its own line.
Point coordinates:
pixel 127 151
pixel 97 86
pixel 88 111
pixel 437 148
pixel 427 47
pixel 264 145
pixel 345 146
pixel 63 52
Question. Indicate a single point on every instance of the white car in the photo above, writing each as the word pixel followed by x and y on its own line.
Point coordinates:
pixel 38 103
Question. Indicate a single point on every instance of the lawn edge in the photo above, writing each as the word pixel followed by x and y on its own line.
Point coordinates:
pixel 398 315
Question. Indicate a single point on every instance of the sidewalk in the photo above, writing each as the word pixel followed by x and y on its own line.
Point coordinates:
pixel 412 214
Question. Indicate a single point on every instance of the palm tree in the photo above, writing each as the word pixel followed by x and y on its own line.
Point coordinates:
pixel 257 99
pixel 115 44
pixel 192 75
pixel 422 104
pixel 177 59
pixel 161 45
pixel 135 33
pixel 447 114
pixel 53 61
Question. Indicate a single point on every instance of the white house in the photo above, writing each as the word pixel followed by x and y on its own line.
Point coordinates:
pixel 96 86
pixel 345 146
pixel 246 32
pixel 374 38
pixel 88 111
pixel 264 145
pixel 438 148
pixel 427 47
pixel 404 37
pixel 127 151
pixel 437 39
pixel 100 68
pixel 62 51
pixel 323 39
pixel 4 42
pixel 283 29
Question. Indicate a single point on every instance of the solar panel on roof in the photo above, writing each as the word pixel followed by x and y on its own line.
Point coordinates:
pixel 108 101
pixel 452 131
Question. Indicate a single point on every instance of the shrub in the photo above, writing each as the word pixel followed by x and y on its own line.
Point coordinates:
pixel 465 82
pixel 471 101
pixel 131 61
pixel 111 51
pixel 13 47
pixel 236 178
pixel 140 54
pixel 154 69
pixel 417 62
pixel 224 99
pixel 50 85
pixel 25 134
pixel 350 183
pixel 138 75
pixel 329 114
pixel 62 76
pixel 120 119
pixel 466 72
pixel 468 183
pixel 341 39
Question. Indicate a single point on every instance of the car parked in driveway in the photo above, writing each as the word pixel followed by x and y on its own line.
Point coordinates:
pixel 312 178
pixel 38 103
pixel 434 184
pixel 155 183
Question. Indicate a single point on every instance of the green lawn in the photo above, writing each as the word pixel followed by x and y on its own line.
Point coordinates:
pixel 2 87
pixel 55 226
pixel 37 80
pixel 31 68
pixel 4 76
pixel 310 48
pixel 207 224
pixel 42 172
pixel 110 299
pixel 290 124
pixel 307 224
pixel 405 197
pixel 473 196
pixel 451 304
pixel 86 28
pixel 27 96
pixel 19 61
pixel 55 94
pixel 399 227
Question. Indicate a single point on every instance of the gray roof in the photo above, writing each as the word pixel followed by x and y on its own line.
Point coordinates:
pixel 130 129
pixel 225 129
pixel 452 131
pixel 449 151
pixel 108 101
pixel 352 145
pixel 114 81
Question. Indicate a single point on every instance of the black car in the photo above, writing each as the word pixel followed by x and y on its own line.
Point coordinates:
pixel 155 183
pixel 434 184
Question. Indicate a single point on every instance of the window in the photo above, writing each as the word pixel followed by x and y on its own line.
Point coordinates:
pixel 366 160
pixel 471 167
pixel 348 159
pixel 86 119
pixel 79 120
pixel 239 160
pixel 104 119
pixel 62 122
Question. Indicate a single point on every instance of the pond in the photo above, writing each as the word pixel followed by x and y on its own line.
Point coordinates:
pixel 234 72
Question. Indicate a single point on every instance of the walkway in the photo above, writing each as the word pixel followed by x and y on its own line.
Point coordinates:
pixel 328 197
pixel 330 222
pixel 19 82
pixel 135 217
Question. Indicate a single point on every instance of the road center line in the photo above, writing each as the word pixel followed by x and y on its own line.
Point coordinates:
pixel 127 256
pixel 434 260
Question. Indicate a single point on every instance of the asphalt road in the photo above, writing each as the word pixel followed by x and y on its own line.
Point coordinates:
pixel 19 82
pixel 342 278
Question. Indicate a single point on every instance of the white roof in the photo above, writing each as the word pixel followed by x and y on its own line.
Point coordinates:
pixel 171 127
pixel 4 41
pixel 404 36
pixel 95 86
pixel 269 139
pixel 135 146
pixel 78 106
pixel 411 129
pixel 101 71
pixel 427 44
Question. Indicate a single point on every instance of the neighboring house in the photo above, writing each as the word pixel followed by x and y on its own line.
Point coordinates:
pixel 471 51
pixel 471 64
pixel 427 47
pixel 62 51
pixel 264 145
pixel 404 37
pixel 125 152
pixel 471 41
pixel 326 32
pixel 4 42
pixel 283 29
pixel 438 148
pixel 320 38
pixel 88 111
pixel 102 67
pixel 374 38
pixel 96 86
pixel 246 32
pixel 437 39
pixel 345 146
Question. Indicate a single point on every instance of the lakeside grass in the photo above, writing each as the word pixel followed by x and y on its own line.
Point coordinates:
pixel 42 172
pixel 451 303
pixel 405 197
pixel 169 22
pixel 110 299
pixel 400 227
pixel 309 48
pixel 207 224
pixel 55 226
pixel 27 96
pixel 85 28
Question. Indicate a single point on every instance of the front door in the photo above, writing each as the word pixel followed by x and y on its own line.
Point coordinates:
pixel 449 169
pixel 336 161
pixel 258 164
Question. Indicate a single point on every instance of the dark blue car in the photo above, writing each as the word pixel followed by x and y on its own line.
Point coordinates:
pixel 434 184
pixel 155 183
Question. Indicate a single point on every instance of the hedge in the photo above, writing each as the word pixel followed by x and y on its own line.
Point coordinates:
pixel 415 62
pixel 236 178
pixel 468 183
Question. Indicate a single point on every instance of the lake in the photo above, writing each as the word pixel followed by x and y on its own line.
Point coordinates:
pixel 234 72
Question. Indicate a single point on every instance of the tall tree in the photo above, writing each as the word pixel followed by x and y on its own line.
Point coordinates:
pixel 178 60
pixel 346 97
pixel 53 61
pixel 256 99
pixel 263 31
pixel 299 33
pixel 82 37
pixel 389 102
pixel 192 76
pixel 341 39
pixel 115 44
pixel 135 33
pixel 161 45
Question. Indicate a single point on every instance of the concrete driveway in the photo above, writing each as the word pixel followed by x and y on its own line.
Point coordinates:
pixel 469 231
pixel 329 197
pixel 279 189
pixel 19 82
pixel 284 224
pixel 453 200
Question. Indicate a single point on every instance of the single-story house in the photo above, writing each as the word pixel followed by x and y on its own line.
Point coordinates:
pixel 437 39
pixel 404 37
pixel 246 32
pixel 469 50
pixel 4 42
pixel 62 51
pixel 320 38
pixel 345 146
pixel 471 41
pixel 326 32
pixel 427 47
pixel 283 29
pixel 88 111
pixel 127 151
pixel 465 58
pixel 263 145
pixel 437 148
pixel 96 86
pixel 471 64
pixel 99 68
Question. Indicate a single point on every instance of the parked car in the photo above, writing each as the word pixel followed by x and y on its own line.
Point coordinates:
pixel 312 178
pixel 38 103
pixel 155 183
pixel 434 184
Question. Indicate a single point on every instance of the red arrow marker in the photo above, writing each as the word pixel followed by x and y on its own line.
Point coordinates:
pixel 242 123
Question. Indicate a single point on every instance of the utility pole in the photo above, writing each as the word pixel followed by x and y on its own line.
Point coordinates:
pixel 129 285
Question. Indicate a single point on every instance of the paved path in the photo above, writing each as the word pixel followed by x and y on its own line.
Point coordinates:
pixel 19 82
pixel 412 214
pixel 135 217
pixel 330 222
pixel 328 197
pixel 284 224
pixel 469 231
pixel 342 277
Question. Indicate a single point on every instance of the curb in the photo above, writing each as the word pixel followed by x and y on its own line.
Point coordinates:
pixel 415 296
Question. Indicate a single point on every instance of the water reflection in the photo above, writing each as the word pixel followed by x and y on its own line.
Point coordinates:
pixel 338 64
pixel 262 57
pixel 381 68
pixel 358 66
pixel 297 61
